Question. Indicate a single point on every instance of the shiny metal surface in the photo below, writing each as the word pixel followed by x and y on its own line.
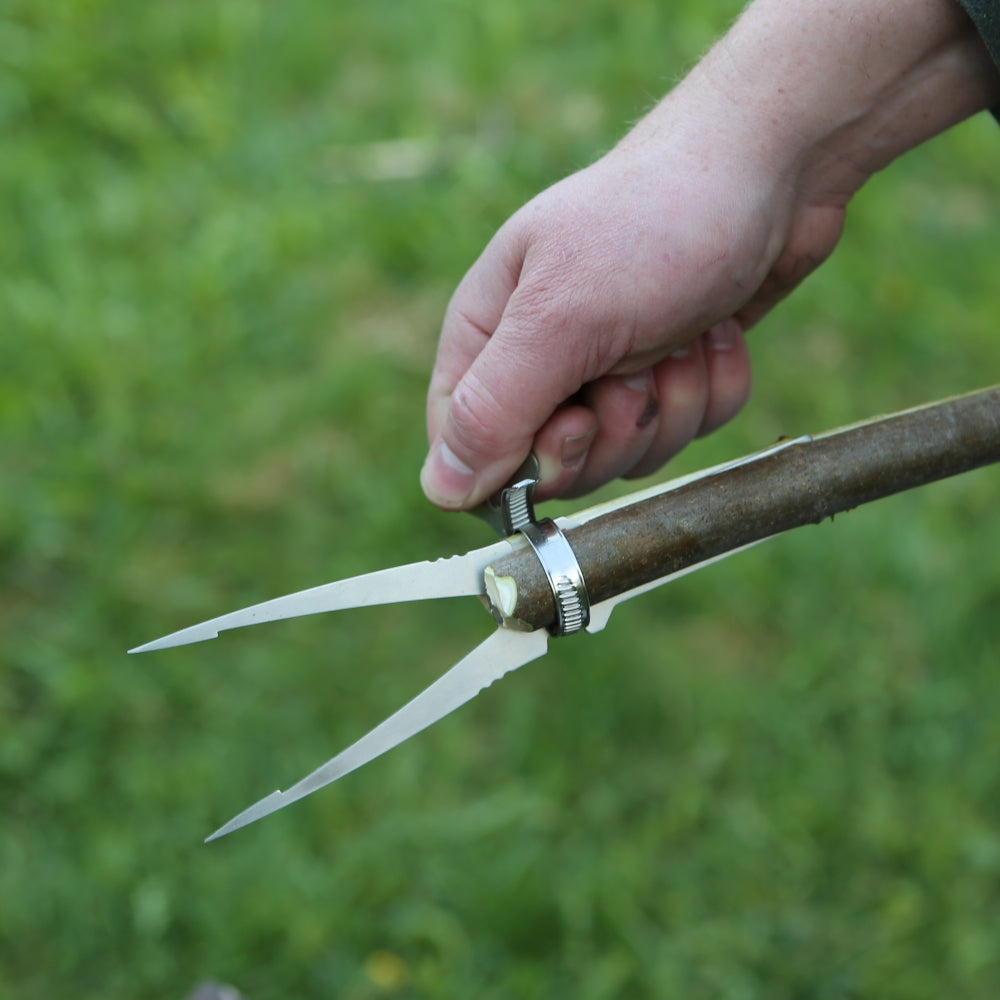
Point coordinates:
pixel 456 576
pixel 501 653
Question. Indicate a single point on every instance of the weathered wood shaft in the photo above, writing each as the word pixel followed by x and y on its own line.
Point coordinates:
pixel 801 485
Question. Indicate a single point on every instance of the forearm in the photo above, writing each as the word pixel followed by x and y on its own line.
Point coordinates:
pixel 833 92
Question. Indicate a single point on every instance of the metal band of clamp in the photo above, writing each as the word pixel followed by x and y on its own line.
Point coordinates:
pixel 564 574
pixel 512 510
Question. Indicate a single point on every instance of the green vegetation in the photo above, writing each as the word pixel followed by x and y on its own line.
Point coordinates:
pixel 229 232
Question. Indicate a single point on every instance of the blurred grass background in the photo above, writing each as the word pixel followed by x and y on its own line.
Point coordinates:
pixel 229 233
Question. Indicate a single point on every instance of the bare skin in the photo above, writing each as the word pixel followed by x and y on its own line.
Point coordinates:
pixel 604 324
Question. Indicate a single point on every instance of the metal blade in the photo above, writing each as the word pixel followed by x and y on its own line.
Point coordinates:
pixel 456 576
pixel 601 612
pixel 505 650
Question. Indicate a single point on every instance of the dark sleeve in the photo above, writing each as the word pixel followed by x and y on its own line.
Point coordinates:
pixel 985 15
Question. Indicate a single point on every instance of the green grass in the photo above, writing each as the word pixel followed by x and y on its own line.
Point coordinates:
pixel 775 779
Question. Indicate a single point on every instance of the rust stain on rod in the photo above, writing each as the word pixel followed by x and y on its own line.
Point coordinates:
pixel 801 485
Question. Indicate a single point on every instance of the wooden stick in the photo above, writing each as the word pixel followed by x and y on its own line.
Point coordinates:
pixel 802 484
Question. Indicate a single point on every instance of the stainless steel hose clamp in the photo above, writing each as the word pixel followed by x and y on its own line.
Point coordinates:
pixel 512 510
pixel 564 574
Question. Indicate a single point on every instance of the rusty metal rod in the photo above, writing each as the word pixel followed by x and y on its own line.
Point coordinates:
pixel 804 484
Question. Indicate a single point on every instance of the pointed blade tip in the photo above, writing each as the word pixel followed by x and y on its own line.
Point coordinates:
pixel 185 637
pixel 147 647
pixel 227 828
pixel 317 779
pixel 267 805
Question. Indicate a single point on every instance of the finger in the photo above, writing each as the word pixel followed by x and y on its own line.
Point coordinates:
pixel 729 381
pixel 683 391
pixel 509 392
pixel 700 388
pixel 562 447
pixel 472 316
pixel 627 411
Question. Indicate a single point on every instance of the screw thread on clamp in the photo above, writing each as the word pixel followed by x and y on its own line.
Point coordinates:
pixel 517 507
pixel 575 614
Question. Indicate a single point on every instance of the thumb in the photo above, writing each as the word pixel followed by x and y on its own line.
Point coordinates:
pixel 482 428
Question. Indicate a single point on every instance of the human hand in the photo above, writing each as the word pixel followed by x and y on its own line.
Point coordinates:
pixel 624 293
pixel 604 324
